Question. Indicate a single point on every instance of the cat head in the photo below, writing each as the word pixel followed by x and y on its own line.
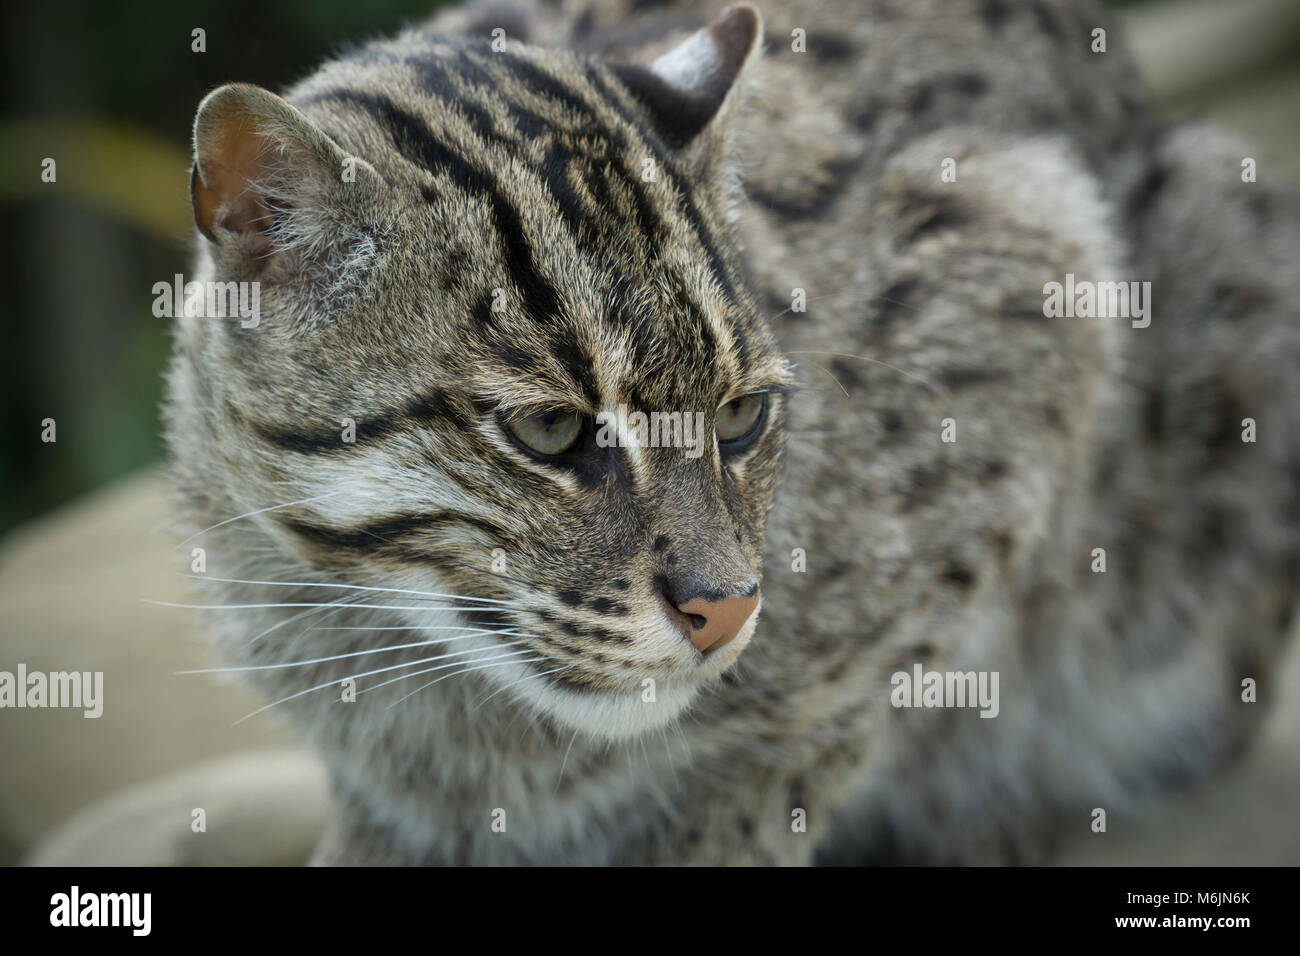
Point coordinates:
pixel 505 350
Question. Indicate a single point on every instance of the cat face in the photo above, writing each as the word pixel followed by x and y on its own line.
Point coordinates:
pixel 507 353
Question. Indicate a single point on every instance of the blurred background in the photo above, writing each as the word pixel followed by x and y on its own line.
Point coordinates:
pixel 82 254
pixel 108 89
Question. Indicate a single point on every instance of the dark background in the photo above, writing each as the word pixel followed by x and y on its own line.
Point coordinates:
pixel 108 90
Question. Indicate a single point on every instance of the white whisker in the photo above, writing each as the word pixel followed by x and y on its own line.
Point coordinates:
pixel 527 660
pixel 339 657
pixel 690 757
pixel 340 605
pixel 406 627
pixel 332 683
pixel 564 667
pixel 668 752
pixel 519 649
pixel 315 604
pixel 559 780
pixel 250 514
pixel 351 587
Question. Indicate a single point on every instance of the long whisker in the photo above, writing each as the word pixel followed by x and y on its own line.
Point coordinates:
pixel 816 298
pixel 302 501
pixel 520 711
pixel 340 605
pixel 527 660
pixel 332 683
pixel 402 627
pixel 450 560
pixel 690 757
pixel 668 752
pixel 563 667
pixel 350 587
pixel 315 604
pixel 513 654
pixel 646 753
pixel 833 379
pixel 500 574
pixel 559 780
pixel 338 657
pixel 835 295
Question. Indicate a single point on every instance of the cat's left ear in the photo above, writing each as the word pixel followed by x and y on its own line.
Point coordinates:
pixel 693 90
pixel 269 186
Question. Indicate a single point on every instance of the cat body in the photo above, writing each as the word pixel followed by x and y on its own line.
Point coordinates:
pixel 457 229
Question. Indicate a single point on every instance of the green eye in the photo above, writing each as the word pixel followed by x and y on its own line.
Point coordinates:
pixel 739 419
pixel 548 433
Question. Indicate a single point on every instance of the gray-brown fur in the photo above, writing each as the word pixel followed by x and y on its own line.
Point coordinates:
pixel 924 303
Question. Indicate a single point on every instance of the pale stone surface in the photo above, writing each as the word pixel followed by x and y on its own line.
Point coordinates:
pixel 71 586
pixel 264 808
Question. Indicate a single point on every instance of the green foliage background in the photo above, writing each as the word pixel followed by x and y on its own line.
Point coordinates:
pixel 108 90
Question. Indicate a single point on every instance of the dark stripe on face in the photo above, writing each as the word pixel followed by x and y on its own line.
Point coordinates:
pixel 384 533
pixel 416 142
pixel 686 205
pixel 504 487
pixel 430 70
pixel 539 81
pixel 440 84
pixel 557 160
pixel 639 327
pixel 555 170
pixel 433 409
pixel 595 219
pixel 542 82
pixel 688 306
pixel 526 121
pixel 430 410
pixel 558 163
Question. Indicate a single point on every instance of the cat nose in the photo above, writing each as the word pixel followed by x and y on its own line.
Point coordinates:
pixel 709 623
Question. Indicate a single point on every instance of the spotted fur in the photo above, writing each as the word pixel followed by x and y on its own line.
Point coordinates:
pixel 514 178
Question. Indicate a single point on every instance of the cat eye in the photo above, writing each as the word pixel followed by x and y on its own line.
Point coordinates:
pixel 548 433
pixel 739 421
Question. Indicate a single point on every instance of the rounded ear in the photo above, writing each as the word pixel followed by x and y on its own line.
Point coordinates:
pixel 255 155
pixel 692 91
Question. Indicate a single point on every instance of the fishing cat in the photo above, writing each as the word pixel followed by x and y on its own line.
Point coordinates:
pixel 516 635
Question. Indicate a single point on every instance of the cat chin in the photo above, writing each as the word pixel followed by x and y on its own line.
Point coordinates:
pixel 616 715
pixel 623 715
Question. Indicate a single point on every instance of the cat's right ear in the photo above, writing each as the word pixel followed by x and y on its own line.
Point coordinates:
pixel 692 92
pixel 263 171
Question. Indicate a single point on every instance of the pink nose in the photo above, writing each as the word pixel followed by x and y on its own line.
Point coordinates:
pixel 711 624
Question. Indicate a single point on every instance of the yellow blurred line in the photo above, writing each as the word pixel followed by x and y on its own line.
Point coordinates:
pixel 117 168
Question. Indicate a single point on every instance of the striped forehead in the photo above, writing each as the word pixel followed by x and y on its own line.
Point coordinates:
pixel 618 281
pixel 632 343
pixel 504 130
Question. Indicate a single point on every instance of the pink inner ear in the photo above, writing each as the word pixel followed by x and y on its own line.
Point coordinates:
pixel 222 186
